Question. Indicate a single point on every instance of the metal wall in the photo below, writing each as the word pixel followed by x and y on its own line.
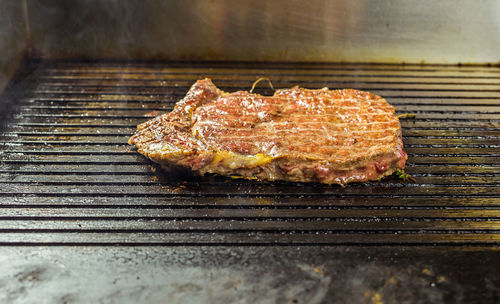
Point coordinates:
pixel 13 39
pixel 426 31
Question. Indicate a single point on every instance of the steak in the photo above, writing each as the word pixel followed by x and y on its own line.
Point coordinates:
pixel 299 135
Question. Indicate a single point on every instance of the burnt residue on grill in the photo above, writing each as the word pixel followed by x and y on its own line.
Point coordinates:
pixel 307 274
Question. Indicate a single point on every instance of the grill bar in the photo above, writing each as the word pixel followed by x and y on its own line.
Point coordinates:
pixel 242 239
pixel 68 177
pixel 248 202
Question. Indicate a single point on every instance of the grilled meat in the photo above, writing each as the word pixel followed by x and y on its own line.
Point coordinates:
pixel 300 135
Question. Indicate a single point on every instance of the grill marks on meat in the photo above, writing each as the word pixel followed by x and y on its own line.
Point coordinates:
pixel 302 135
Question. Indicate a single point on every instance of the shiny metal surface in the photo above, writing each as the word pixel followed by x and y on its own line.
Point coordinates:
pixel 446 31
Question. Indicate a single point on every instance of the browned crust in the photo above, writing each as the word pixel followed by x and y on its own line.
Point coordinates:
pixel 171 139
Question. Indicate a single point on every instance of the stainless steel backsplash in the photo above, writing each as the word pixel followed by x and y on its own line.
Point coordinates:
pixel 391 31
pixel 424 31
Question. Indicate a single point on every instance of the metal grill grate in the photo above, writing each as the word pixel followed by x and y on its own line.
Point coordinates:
pixel 67 175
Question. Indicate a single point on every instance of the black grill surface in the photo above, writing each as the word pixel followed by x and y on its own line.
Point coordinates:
pixel 68 177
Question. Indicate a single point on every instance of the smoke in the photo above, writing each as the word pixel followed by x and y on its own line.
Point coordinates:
pixel 13 40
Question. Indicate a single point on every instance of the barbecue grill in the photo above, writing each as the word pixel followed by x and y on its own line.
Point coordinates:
pixel 80 207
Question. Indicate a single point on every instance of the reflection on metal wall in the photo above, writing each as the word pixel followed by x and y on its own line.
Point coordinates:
pixel 446 31
pixel 12 38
